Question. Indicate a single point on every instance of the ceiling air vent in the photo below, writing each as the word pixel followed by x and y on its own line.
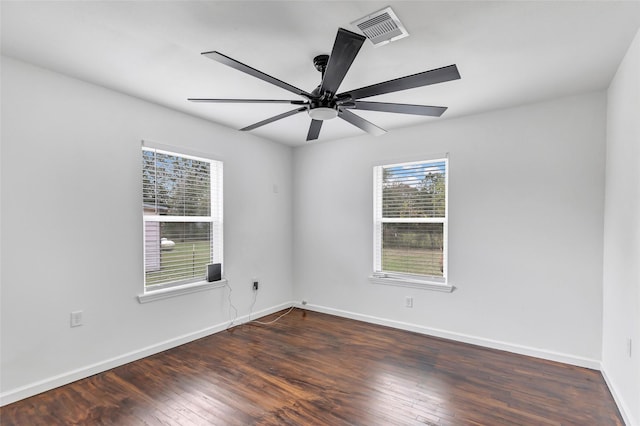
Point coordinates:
pixel 381 27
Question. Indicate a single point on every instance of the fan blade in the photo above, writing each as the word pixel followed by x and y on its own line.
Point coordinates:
pixel 431 111
pixel 360 122
pixel 439 75
pixel 314 130
pixel 248 101
pixel 345 49
pixel 275 118
pixel 219 57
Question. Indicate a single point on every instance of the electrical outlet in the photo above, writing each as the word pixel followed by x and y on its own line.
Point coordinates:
pixel 76 318
pixel 255 285
pixel 408 302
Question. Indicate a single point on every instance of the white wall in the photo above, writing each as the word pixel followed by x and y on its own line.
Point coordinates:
pixel 525 229
pixel 71 228
pixel 526 217
pixel 621 284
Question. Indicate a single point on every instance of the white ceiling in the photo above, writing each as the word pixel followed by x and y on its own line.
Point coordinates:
pixel 508 52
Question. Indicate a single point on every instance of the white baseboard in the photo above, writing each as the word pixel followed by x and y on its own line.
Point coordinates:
pixel 465 338
pixel 625 412
pixel 32 389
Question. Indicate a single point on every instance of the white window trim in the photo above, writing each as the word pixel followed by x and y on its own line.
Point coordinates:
pixel 185 152
pixel 168 291
pixel 411 159
pixel 409 280
pixel 179 290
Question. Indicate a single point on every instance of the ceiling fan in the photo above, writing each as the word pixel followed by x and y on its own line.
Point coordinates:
pixel 325 103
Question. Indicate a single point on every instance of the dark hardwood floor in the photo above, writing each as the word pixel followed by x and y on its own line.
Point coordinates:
pixel 314 369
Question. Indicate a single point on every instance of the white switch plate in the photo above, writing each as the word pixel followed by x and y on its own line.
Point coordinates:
pixel 408 302
pixel 76 318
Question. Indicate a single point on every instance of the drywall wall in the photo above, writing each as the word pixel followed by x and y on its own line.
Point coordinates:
pixel 525 228
pixel 621 283
pixel 72 230
pixel 526 213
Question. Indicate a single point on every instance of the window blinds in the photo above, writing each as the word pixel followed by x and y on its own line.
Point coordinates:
pixel 410 218
pixel 182 215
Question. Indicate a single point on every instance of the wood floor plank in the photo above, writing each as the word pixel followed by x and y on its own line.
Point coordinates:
pixel 315 369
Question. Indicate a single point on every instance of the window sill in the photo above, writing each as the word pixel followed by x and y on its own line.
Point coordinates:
pixel 166 293
pixel 411 282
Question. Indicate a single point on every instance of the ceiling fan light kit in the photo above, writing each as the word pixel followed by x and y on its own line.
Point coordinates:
pixel 325 103
pixel 322 113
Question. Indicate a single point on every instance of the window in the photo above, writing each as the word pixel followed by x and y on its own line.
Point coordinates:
pixel 182 215
pixel 410 222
